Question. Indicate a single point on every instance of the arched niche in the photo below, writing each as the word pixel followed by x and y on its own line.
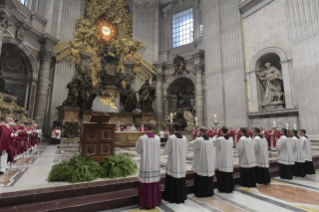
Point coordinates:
pixel 18 67
pixel 278 60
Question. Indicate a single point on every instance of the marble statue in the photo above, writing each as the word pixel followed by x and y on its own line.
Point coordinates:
pixel 272 82
pixel 147 96
pixel 3 84
pixel 180 66
pixel 128 99
pixel 183 101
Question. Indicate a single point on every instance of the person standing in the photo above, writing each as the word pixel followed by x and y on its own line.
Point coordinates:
pixel 265 133
pixel 237 136
pixel 298 169
pixel 54 135
pixel 262 159
pixel 285 147
pixel 39 131
pixel 118 128
pixel 142 128
pixel 307 152
pixel 149 190
pixel 224 158
pixel 58 137
pixel 203 164
pixel 175 181
pixel 5 141
pixel 247 159
pixel 230 133
pixel 274 136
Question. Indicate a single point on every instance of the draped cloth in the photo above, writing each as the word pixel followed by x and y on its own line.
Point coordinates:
pixel 224 161
pixel 149 194
pixel 175 182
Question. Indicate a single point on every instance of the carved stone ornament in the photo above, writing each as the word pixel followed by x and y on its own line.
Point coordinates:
pixel 146 10
pixel 160 77
pixel 23 29
pixel 4 21
pixel 199 68
pixel 45 54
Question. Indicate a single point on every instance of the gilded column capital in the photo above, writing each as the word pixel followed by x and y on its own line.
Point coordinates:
pixel 4 21
pixel 199 68
pixel 45 54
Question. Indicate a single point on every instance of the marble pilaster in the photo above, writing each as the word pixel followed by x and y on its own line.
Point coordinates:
pixel 159 92
pixel 199 67
pixel 4 25
pixel 43 86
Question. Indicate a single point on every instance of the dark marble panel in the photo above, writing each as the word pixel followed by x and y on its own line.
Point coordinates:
pixel 18 90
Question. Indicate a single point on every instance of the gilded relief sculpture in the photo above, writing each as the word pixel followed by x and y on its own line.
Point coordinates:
pixel 106 23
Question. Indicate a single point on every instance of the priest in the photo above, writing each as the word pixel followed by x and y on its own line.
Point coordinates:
pixel 5 139
pixel 118 128
pixel 298 169
pixel 247 159
pixel 274 136
pixel 285 147
pixel 194 133
pixel 308 167
pixel 230 133
pixel 175 181
pixel 224 158
pixel 262 159
pixel 203 164
pixel 142 128
pixel 149 189
pixel 218 131
pixel 248 132
pixel 237 136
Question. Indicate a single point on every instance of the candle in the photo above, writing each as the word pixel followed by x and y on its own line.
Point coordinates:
pixel 196 121
pixel 215 117
pixel 287 126
pixel 274 123
pixel 171 117
pixel 295 127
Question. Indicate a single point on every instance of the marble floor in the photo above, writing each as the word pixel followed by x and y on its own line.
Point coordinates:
pixel 299 194
pixel 32 171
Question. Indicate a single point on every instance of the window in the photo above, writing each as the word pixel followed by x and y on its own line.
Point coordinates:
pixel 24 2
pixel 183 28
pixel 201 30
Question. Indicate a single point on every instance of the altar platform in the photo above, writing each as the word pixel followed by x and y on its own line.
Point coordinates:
pixel 28 190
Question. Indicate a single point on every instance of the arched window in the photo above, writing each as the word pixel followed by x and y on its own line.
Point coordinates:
pixel 183 28
pixel 24 2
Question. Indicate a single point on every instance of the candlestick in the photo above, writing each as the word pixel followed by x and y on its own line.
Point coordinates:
pixel 215 117
pixel 196 121
pixel 274 123
pixel 295 127
pixel 171 117
pixel 287 126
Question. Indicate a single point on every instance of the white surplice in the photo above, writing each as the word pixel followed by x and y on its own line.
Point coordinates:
pixel 261 152
pixel 246 152
pixel 224 153
pixel 285 148
pixel 176 162
pixel 306 149
pixel 149 149
pixel 203 161
pixel 298 149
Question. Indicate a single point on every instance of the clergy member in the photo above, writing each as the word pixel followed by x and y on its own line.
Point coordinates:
pixel 274 135
pixel 309 168
pixel 175 181
pixel 247 159
pixel 218 131
pixel 142 128
pixel 298 169
pixel 203 164
pixel 285 147
pixel 224 158
pixel 118 128
pixel 5 139
pixel 265 133
pixel 248 132
pixel 194 133
pixel 237 136
pixel 149 189
pixel 262 159
pixel 230 133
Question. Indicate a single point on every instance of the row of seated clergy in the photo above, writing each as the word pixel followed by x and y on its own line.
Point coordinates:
pixel 129 128
pixel 16 140
pixel 203 165
pixel 56 135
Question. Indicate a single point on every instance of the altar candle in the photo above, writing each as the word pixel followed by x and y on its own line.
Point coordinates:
pixel 215 117
pixel 196 121
pixel 295 127
pixel 171 117
pixel 287 126
pixel 274 123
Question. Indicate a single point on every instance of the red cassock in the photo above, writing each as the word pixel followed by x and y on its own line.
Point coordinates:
pixel 14 143
pixel 6 142
pixel 24 136
pixel 248 133
pixel 118 129
pixel 210 133
pixel 267 136
pixel 273 137
pixel 29 138
pixel 219 132
pixel 194 134
pixel 142 129
pixel 231 133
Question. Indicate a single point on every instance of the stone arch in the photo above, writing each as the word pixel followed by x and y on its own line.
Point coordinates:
pixel 172 79
pixel 275 50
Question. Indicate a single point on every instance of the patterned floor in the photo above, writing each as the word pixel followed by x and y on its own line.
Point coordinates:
pixel 299 194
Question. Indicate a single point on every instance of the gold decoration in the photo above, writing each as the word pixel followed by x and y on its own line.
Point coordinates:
pixel 127 138
pixel 108 96
pixel 87 35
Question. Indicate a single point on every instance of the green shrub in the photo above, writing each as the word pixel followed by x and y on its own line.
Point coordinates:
pixel 119 165
pixel 77 169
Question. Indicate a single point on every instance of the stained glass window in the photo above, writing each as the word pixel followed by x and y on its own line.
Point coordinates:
pixel 183 28
pixel 24 2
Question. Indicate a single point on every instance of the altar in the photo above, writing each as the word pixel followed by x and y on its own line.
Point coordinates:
pixel 127 139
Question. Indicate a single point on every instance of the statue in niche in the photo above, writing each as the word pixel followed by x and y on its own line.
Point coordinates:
pixel 180 66
pixel 128 99
pixel 179 117
pixel 147 96
pixel 183 100
pixel 272 82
